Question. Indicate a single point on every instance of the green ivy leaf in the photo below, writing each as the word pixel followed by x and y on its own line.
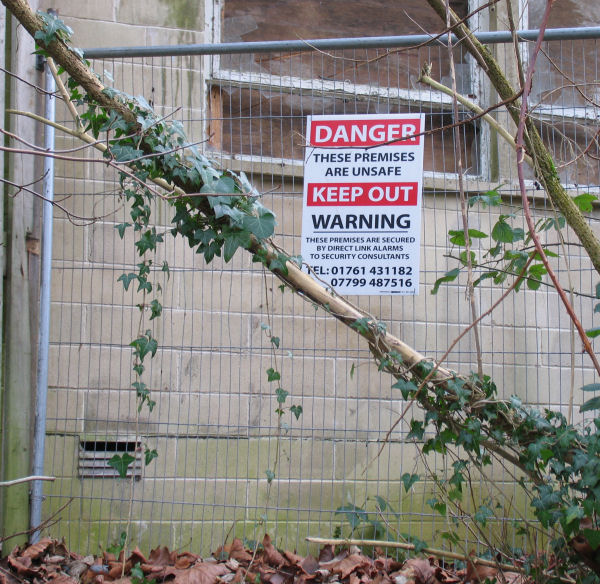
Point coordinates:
pixel 121 463
pixel 127 279
pixel 233 241
pixel 405 387
pixel 361 325
pixel 155 309
pixel 273 375
pixel 483 514
pixel 270 475
pixel 54 28
pixel 124 152
pixel 261 225
pixel 591 387
pixel 275 341
pixel 150 455
pixel 354 515
pixel 279 264
pixel 417 430
pixel 282 395
pixel 593 537
pixel 408 480
pixel 297 411
pixel 121 229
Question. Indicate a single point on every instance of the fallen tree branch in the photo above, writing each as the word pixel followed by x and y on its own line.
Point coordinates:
pixel 411 547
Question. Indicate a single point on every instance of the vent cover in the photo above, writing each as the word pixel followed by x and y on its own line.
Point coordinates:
pixel 94 457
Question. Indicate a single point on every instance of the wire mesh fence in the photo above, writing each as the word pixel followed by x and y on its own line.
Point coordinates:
pixel 227 463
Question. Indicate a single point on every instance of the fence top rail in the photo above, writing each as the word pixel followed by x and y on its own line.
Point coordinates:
pixel 382 42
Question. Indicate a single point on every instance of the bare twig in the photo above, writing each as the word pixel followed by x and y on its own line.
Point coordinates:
pixel 26 480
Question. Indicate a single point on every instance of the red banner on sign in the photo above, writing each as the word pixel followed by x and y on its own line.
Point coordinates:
pixel 362 194
pixel 372 132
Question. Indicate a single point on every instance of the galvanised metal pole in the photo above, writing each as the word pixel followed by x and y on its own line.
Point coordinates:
pixel 493 37
pixel 39 436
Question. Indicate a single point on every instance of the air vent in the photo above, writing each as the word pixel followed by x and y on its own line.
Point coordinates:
pixel 94 457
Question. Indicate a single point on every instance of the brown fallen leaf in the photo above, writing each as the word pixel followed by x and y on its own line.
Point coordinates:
pixel 203 573
pixel 326 554
pixel 238 552
pixel 382 578
pixel 137 557
pixel 160 556
pixel 115 569
pixel 387 564
pixel 419 570
pixel 22 566
pixel 185 560
pixel 62 579
pixel 477 573
pixel 271 555
pixel 309 565
pixel 293 559
pixel 346 566
pixel 36 550
pixel 6 577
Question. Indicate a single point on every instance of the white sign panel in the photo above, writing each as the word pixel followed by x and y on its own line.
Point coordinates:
pixel 361 219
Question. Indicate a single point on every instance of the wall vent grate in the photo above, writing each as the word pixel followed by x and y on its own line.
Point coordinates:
pixel 94 457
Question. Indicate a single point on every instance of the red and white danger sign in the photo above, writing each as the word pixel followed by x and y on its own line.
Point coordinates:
pixel 361 222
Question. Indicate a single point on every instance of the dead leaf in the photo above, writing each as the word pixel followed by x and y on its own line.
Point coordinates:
pixel 203 573
pixel 419 571
pixel 293 559
pixel 346 566
pixel 309 565
pixel 160 556
pixel 137 557
pixel 238 552
pixel 22 566
pixel 382 578
pixel 326 554
pixel 36 550
pixel 185 560
pixel 7 578
pixel 387 564
pixel 477 573
pixel 271 555
pixel 115 569
pixel 62 579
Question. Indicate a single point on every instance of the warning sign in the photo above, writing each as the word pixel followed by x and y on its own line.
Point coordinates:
pixel 361 222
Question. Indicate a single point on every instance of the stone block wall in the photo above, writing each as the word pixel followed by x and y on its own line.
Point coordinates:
pixel 214 425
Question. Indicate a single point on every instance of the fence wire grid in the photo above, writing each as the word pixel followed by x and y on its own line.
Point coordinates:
pixel 214 425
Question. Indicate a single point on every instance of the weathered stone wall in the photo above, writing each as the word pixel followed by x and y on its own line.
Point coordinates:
pixel 214 425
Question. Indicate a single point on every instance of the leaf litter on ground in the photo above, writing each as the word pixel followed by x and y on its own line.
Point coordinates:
pixel 50 562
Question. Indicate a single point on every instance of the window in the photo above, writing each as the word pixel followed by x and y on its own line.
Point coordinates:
pixel 263 98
